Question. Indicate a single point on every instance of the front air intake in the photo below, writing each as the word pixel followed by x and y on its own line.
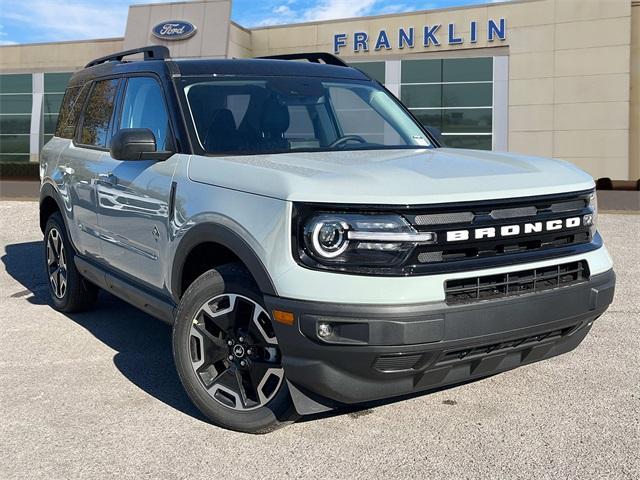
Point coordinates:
pixel 468 290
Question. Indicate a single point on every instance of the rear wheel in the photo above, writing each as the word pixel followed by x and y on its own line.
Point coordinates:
pixel 69 291
pixel 227 354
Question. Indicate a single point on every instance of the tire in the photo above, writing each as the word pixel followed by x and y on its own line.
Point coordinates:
pixel 220 323
pixel 69 291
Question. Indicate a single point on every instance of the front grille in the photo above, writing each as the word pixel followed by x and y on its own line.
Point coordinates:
pixel 467 354
pixel 471 235
pixel 486 249
pixel 510 284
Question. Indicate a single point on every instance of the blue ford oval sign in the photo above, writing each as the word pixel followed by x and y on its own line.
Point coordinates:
pixel 174 30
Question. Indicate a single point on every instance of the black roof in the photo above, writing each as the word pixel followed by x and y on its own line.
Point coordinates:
pixel 113 65
pixel 265 67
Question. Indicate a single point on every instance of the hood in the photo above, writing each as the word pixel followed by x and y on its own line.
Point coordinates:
pixel 396 177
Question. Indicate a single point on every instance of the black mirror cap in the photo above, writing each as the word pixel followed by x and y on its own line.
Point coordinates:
pixel 136 144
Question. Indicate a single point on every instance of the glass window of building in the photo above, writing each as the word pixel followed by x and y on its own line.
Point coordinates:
pixel 452 95
pixel 54 88
pixel 375 70
pixel 15 117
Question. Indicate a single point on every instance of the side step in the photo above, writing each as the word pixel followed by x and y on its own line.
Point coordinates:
pixel 130 293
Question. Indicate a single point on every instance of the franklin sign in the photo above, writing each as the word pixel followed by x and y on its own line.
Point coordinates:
pixel 174 30
pixel 425 37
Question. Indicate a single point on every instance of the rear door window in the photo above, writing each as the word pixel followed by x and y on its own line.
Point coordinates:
pixel 98 114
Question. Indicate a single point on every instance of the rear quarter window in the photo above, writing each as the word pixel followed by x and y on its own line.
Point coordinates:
pixel 70 109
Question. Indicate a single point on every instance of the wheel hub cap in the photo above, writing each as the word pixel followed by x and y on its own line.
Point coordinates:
pixel 238 350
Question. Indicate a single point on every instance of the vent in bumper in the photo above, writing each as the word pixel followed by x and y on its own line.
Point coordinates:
pixel 396 363
pixel 467 354
pixel 468 290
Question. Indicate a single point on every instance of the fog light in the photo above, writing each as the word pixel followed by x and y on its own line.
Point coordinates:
pixel 587 220
pixel 324 330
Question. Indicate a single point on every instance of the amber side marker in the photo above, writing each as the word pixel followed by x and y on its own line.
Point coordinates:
pixel 283 317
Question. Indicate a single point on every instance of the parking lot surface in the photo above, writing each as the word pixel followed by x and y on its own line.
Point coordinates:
pixel 95 395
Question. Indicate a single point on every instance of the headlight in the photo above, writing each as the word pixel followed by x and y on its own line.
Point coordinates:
pixel 360 240
pixel 328 237
pixel 591 219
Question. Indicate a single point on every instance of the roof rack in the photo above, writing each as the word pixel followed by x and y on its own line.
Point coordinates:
pixel 317 57
pixel 152 52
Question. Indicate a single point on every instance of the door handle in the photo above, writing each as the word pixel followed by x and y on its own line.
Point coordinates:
pixel 108 179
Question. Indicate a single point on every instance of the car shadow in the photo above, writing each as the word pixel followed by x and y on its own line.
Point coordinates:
pixel 142 343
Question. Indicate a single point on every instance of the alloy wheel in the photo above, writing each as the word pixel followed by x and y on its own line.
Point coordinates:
pixel 234 352
pixel 57 263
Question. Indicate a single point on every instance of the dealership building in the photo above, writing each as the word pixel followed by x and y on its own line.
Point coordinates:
pixel 553 78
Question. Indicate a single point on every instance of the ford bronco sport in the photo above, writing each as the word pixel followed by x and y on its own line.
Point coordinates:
pixel 311 243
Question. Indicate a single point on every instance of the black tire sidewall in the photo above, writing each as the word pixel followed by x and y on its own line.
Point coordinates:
pixel 226 279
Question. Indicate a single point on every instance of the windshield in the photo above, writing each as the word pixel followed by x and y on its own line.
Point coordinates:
pixel 285 114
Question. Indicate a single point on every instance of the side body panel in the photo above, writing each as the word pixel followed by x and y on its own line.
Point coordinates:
pixel 75 176
pixel 133 216
pixel 252 226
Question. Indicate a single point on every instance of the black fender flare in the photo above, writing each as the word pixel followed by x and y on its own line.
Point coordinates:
pixel 222 235
pixel 47 190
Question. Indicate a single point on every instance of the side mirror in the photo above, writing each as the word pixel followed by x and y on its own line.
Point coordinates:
pixel 436 134
pixel 136 144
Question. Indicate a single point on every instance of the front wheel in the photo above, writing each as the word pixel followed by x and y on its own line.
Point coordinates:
pixel 227 354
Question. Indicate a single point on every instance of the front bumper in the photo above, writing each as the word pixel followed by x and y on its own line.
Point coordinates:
pixel 382 351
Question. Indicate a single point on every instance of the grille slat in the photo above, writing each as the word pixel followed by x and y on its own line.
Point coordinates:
pixel 514 212
pixel 444 218
pixel 515 283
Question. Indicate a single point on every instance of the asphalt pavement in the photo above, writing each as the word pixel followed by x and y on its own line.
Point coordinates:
pixel 96 395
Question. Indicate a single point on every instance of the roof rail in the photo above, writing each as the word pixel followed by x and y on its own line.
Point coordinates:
pixel 317 57
pixel 152 52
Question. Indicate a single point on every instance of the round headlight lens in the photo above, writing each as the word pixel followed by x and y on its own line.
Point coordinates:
pixel 329 237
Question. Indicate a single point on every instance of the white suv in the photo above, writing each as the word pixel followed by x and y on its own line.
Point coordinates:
pixel 309 240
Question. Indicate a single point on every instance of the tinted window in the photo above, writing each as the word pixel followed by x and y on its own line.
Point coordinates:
pixel 15 116
pixel 144 107
pixel 70 111
pixel 15 103
pixel 454 95
pixel 54 91
pixel 98 113
pixel 421 71
pixel 56 82
pixel 467 69
pixel 15 83
pixel 375 70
